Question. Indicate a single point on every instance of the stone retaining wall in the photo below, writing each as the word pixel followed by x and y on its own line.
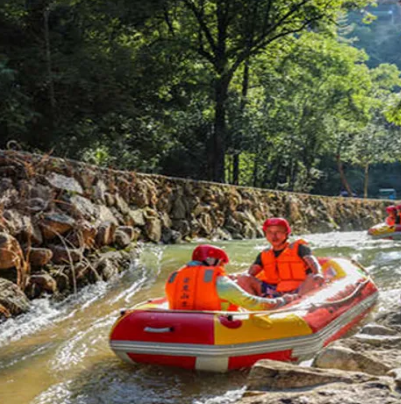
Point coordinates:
pixel 58 219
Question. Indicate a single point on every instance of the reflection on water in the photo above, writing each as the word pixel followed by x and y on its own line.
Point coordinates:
pixel 59 354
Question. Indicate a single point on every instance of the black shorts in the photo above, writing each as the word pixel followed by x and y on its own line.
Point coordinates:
pixel 270 291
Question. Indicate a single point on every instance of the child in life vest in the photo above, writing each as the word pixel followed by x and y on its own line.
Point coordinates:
pixel 283 267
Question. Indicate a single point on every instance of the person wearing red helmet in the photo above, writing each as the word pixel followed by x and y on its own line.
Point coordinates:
pixel 284 267
pixel 392 217
pixel 202 284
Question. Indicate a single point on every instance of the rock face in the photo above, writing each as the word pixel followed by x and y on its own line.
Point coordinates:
pixel 56 214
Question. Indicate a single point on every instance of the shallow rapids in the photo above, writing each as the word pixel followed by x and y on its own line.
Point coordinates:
pixel 59 354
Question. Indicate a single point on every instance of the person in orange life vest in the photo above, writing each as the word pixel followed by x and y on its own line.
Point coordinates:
pixel 284 267
pixel 202 284
pixel 398 217
pixel 392 217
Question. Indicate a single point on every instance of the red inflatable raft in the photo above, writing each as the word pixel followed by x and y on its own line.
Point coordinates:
pixel 221 341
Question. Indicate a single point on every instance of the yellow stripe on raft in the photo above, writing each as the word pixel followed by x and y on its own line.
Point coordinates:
pixel 261 328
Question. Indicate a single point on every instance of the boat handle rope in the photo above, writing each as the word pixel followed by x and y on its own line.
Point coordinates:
pixel 231 314
pixel 345 299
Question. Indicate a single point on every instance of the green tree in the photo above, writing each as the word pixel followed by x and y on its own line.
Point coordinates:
pixel 228 33
pixel 375 144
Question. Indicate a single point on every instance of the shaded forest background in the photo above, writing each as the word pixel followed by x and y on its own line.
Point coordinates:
pixel 298 95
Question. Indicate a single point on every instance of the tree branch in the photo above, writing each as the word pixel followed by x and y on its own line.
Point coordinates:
pixel 168 22
pixel 191 6
pixel 249 52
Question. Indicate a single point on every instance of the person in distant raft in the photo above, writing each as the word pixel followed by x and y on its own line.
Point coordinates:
pixel 284 267
pixel 398 216
pixel 202 284
pixel 392 217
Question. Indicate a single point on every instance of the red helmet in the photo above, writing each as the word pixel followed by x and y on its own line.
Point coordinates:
pixel 392 208
pixel 277 221
pixel 204 251
pixel 398 207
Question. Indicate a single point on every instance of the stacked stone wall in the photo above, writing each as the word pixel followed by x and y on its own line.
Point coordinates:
pixel 64 223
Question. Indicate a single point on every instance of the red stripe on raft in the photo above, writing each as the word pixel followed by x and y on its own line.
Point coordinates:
pixel 346 328
pixel 182 325
pixel 186 362
pixel 247 361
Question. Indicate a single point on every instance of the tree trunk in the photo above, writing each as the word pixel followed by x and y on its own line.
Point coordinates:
pixel 52 99
pixel 255 173
pixel 342 175
pixel 219 135
pixel 366 182
pixel 237 143
pixel 275 174
pixel 222 82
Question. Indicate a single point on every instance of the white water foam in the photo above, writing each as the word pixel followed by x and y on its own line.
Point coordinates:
pixel 231 396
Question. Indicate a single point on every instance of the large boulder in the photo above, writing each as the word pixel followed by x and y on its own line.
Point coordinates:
pixel 268 375
pixel 10 252
pixel 136 217
pixel 109 264
pixel 153 229
pixel 55 225
pixel 105 234
pixel 106 215
pixel 179 209
pixel 83 235
pixel 338 357
pixel 370 392
pixel 39 284
pixel 83 207
pixel 64 183
pixel 18 224
pixel 12 299
pixel 65 255
pixel 38 257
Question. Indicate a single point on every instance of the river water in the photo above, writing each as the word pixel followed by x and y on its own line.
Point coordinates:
pixel 58 353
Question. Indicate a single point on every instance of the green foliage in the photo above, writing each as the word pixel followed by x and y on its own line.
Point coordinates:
pixel 187 87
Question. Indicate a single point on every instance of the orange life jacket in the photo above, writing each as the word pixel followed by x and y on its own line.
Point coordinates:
pixel 287 271
pixel 194 288
pixel 390 221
